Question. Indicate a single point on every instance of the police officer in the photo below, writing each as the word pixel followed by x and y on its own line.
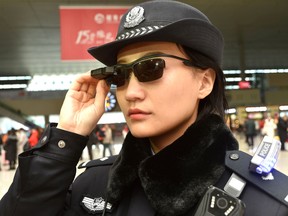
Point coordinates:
pixel 165 63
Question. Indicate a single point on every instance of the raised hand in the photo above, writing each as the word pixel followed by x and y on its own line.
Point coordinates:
pixel 84 105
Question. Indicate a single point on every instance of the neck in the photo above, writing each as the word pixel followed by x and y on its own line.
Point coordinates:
pixel 160 142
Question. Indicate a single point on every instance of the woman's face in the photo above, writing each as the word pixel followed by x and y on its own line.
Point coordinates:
pixel 164 108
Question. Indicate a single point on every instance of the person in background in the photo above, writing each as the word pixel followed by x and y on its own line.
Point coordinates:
pixel 93 140
pixel 100 133
pixel 166 66
pixel 282 130
pixel 250 132
pixel 11 148
pixel 125 130
pixel 4 139
pixel 269 127
pixel 108 140
pixel 33 138
pixel 261 123
pixel 1 144
pixel 22 139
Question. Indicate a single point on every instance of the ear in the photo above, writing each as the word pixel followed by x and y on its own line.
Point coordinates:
pixel 208 79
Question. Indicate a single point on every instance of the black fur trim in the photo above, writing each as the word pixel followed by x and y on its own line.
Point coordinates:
pixel 175 178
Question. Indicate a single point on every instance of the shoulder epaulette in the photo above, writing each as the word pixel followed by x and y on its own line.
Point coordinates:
pixel 238 162
pixel 105 161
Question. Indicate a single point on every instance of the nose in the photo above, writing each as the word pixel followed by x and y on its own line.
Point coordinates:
pixel 134 89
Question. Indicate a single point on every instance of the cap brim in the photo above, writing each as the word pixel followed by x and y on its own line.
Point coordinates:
pixel 197 34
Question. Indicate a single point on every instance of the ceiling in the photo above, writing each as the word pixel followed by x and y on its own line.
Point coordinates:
pixel 255 32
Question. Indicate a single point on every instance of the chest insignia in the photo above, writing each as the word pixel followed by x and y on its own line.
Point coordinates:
pixel 95 205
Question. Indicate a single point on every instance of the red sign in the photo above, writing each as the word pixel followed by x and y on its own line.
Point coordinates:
pixel 84 27
pixel 244 84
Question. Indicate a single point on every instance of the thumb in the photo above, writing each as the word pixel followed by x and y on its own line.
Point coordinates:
pixel 102 90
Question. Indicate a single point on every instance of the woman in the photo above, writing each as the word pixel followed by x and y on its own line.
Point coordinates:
pixel 170 87
pixel 108 140
pixel 10 147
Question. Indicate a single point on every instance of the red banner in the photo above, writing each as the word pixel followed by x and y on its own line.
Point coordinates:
pixel 84 27
pixel 244 84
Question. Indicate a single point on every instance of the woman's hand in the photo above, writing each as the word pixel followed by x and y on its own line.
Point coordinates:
pixel 84 105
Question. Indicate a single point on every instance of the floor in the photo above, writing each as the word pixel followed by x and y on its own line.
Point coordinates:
pixel 6 176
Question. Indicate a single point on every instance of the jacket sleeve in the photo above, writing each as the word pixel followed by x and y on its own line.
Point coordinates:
pixel 44 175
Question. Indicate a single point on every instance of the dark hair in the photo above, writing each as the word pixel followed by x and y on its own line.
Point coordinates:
pixel 216 101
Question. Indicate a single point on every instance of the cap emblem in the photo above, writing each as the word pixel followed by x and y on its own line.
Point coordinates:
pixel 134 17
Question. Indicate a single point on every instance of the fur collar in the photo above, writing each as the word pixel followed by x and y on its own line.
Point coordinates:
pixel 175 178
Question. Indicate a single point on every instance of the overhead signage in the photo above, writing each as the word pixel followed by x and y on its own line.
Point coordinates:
pixel 85 27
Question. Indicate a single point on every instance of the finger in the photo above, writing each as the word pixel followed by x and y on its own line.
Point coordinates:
pixel 102 91
pixel 81 81
pixel 92 90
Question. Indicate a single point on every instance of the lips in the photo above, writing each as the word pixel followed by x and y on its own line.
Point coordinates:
pixel 135 111
pixel 137 114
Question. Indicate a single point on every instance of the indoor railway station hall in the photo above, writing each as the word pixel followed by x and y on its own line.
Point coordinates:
pixel 158 105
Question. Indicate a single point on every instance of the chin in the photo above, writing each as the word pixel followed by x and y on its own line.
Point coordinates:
pixel 142 132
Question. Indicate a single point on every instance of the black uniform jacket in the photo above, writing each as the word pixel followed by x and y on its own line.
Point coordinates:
pixel 138 183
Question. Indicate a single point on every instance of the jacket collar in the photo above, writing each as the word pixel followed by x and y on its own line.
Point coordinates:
pixel 175 178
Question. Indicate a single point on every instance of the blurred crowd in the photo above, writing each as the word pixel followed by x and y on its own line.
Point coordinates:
pixel 15 142
pixel 273 126
pixel 105 135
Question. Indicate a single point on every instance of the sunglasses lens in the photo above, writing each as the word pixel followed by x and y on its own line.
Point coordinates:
pixel 145 71
pixel 149 70
pixel 119 77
